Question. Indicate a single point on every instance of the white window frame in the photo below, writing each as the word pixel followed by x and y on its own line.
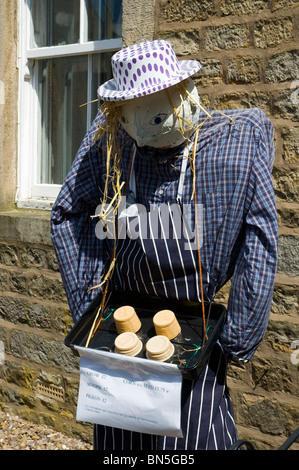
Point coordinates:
pixel 29 193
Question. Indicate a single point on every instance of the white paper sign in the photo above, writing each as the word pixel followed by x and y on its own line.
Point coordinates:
pixel 129 393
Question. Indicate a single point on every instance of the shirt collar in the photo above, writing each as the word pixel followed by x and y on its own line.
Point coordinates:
pixel 161 155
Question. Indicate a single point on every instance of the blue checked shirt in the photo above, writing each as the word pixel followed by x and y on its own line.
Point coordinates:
pixel 234 158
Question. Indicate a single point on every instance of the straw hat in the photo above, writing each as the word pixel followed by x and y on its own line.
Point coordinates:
pixel 143 69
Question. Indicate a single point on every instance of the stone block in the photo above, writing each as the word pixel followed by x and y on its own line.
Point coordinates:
pixel 237 372
pixel 281 334
pixel 283 67
pixel 184 42
pixel 21 375
pixel 285 300
pixel 47 288
pixel 26 226
pixel 226 37
pixel 50 378
pixel 273 375
pixel 62 321
pixel 244 69
pixel 246 7
pixel 52 261
pixel 41 351
pixel 18 282
pixel 3 280
pixel 9 255
pixel 20 398
pixel 186 10
pixel 71 390
pixel 286 184
pixel 20 311
pixel 31 257
pixel 3 344
pixel 138 21
pixel 290 147
pixel 288 216
pixel 204 99
pixel 265 414
pixel 279 4
pixel 271 33
pixel 285 106
pixel 210 74
pixel 288 259
pixel 260 100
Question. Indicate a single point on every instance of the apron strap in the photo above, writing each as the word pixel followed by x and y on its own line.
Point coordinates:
pixel 182 175
pixel 186 155
pixel 131 182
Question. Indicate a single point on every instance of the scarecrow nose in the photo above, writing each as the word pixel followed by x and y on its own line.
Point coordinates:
pixel 141 141
pixel 142 138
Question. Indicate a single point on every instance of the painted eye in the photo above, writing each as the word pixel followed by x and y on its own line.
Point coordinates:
pixel 156 120
pixel 124 120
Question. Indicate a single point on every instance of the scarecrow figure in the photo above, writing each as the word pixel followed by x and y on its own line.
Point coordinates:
pixel 153 142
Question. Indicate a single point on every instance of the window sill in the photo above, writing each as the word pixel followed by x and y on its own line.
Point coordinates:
pixel 26 226
pixel 39 204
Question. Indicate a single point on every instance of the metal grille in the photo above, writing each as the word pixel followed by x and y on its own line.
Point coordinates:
pixel 51 391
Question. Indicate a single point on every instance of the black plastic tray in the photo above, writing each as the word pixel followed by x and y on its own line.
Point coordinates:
pixel 191 351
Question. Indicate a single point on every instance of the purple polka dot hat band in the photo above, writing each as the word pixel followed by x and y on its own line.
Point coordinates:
pixel 143 69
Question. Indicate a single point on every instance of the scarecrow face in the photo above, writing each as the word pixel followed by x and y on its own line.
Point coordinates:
pixel 152 120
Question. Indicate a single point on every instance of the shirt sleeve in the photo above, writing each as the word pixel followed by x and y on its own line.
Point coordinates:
pixel 80 254
pixel 255 269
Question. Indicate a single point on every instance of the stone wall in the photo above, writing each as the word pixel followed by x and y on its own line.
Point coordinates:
pixel 38 373
pixel 249 55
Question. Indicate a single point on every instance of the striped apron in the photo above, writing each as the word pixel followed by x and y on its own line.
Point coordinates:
pixel 156 258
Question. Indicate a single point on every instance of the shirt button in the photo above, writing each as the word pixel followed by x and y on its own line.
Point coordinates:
pixel 161 191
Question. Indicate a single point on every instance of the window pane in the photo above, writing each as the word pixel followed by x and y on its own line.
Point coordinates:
pixel 62 89
pixel 104 19
pixel 101 72
pixel 55 22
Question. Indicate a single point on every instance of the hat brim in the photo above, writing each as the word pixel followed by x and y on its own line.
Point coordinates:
pixel 110 92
